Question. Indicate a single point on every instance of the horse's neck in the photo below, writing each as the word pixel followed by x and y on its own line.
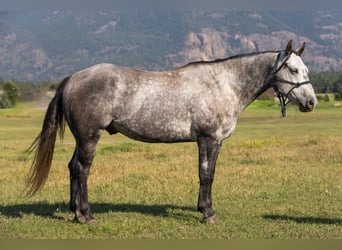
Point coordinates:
pixel 251 74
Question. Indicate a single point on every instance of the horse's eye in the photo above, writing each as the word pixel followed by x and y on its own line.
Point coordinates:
pixel 294 71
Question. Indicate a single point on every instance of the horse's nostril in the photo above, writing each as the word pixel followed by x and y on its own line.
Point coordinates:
pixel 311 103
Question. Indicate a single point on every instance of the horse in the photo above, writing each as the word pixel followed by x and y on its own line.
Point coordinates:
pixel 199 102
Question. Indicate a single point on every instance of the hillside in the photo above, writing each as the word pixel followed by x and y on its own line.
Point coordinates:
pixel 39 46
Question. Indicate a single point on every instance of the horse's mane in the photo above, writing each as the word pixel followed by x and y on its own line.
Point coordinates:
pixel 228 58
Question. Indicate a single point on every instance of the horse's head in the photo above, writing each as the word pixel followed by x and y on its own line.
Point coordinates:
pixel 291 79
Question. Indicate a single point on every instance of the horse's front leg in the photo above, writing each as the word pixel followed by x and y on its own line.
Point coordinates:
pixel 208 152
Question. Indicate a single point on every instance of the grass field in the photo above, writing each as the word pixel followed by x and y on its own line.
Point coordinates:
pixel 275 179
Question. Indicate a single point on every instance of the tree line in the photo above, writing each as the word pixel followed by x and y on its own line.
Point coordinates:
pixel 11 92
pixel 327 82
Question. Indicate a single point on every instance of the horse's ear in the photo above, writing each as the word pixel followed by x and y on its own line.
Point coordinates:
pixel 288 47
pixel 301 49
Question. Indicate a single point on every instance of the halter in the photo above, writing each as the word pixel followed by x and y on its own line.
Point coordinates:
pixel 283 98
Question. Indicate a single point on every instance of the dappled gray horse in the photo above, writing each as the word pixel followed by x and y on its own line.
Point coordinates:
pixel 199 102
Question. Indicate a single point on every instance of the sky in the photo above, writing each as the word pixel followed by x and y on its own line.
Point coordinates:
pixel 166 5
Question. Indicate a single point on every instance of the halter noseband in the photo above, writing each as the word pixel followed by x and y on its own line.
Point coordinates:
pixel 283 98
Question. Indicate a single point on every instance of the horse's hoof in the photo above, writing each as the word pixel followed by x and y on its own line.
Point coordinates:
pixel 210 220
pixel 85 219
pixel 80 219
pixel 91 221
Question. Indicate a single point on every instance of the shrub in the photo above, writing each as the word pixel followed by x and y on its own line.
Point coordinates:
pixel 4 102
pixel 9 96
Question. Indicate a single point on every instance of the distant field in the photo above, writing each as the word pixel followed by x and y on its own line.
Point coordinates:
pixel 275 179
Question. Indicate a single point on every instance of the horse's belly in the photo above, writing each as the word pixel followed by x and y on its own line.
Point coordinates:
pixel 155 131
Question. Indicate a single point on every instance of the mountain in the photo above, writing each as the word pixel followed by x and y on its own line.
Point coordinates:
pixel 40 46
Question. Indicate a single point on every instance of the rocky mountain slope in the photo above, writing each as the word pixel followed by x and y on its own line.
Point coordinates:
pixel 40 46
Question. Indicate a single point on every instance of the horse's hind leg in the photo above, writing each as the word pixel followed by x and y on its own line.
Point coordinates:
pixel 79 167
pixel 74 194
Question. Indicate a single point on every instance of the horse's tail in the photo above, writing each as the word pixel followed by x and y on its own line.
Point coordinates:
pixel 44 143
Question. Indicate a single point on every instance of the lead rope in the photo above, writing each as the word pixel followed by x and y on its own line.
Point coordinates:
pixel 283 103
pixel 282 98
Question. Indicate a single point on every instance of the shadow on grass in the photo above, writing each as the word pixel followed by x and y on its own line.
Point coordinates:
pixel 305 219
pixel 50 210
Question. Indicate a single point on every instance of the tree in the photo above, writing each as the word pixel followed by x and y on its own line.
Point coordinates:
pixel 10 94
pixel 338 95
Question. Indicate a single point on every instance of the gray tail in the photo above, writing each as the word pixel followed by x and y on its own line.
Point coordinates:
pixel 44 143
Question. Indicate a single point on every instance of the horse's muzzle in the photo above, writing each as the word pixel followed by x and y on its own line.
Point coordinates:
pixel 308 106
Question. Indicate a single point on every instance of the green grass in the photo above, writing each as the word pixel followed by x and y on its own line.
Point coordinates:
pixel 275 179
